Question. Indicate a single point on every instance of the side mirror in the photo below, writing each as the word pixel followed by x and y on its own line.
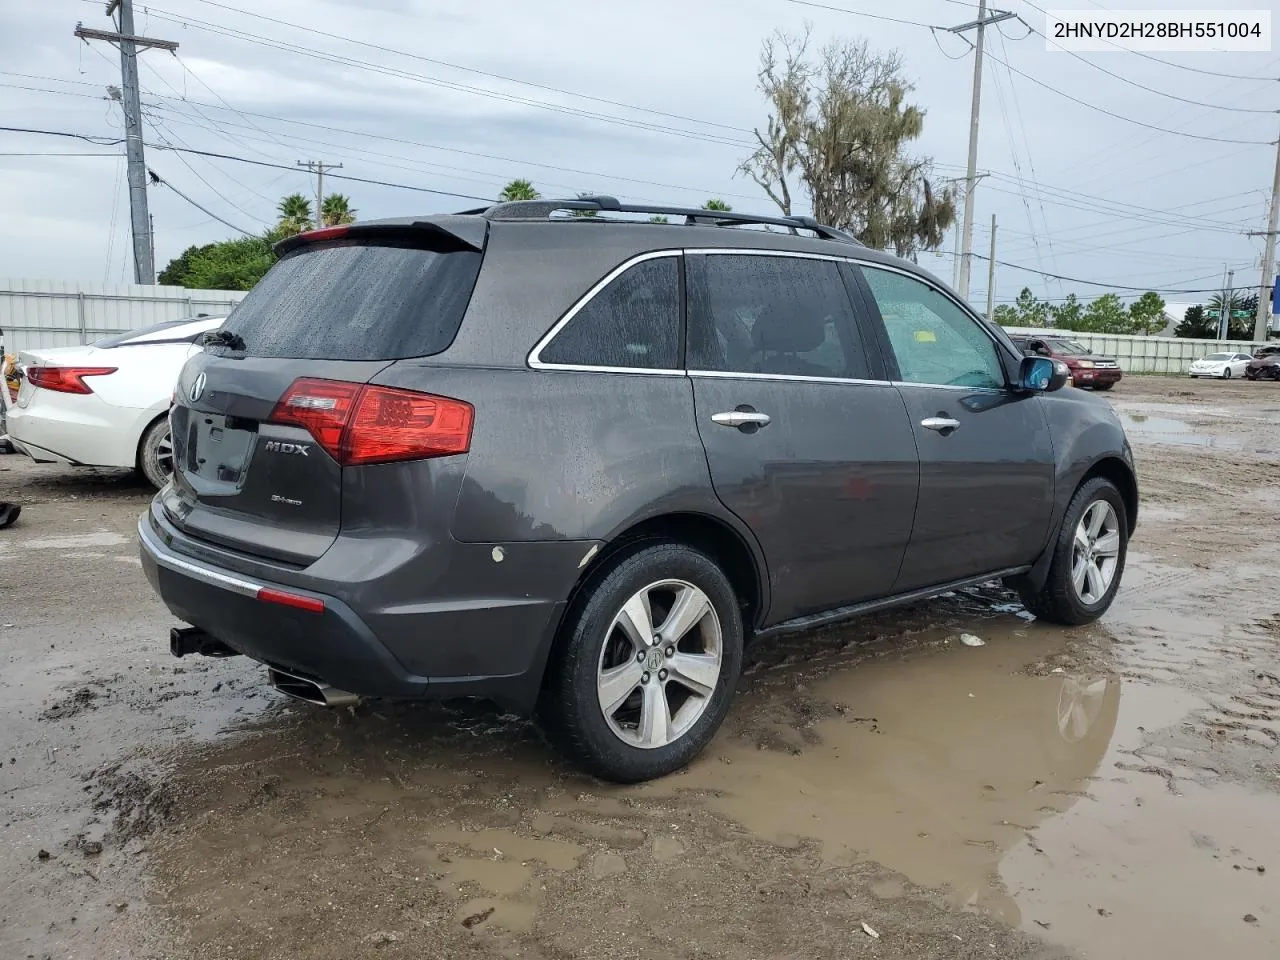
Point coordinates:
pixel 1042 375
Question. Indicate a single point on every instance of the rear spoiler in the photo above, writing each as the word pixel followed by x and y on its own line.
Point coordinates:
pixel 447 234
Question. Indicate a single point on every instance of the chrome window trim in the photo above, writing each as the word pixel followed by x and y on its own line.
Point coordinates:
pixel 798 378
pixel 760 252
pixel 948 386
pixel 534 359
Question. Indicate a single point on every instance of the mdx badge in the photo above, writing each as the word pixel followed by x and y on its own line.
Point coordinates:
pixel 279 446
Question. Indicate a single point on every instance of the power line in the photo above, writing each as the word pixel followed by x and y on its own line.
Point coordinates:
pixel 155 178
pixel 483 73
pixel 1135 83
pixel 257 163
pixel 1091 283
pixel 863 13
pixel 300 50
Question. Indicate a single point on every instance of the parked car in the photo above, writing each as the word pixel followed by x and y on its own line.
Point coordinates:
pixel 573 464
pixel 1221 365
pixel 105 405
pixel 1087 368
pixel 1265 364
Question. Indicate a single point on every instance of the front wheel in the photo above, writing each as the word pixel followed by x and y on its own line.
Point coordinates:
pixel 155 453
pixel 1226 374
pixel 646 665
pixel 1088 558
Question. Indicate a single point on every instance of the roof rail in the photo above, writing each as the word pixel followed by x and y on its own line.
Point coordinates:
pixel 543 209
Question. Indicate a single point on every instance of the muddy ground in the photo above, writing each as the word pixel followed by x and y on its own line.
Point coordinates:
pixel 1106 792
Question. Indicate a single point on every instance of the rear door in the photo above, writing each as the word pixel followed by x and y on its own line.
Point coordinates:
pixel 333 312
pixel 807 444
pixel 986 457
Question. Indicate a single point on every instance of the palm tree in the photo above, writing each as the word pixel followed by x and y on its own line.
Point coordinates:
pixel 716 204
pixel 295 215
pixel 336 210
pixel 659 218
pixel 519 190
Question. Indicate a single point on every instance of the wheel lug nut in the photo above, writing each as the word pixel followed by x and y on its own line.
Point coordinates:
pixel 645 678
pixel 640 657
pixel 671 651
pixel 662 674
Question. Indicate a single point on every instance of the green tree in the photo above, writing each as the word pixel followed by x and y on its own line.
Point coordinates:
pixel 716 204
pixel 1068 314
pixel 1005 315
pixel 837 130
pixel 659 218
pixel 519 189
pixel 295 215
pixel 1030 312
pixel 336 210
pixel 1105 315
pixel 230 265
pixel 1195 325
pixel 1146 314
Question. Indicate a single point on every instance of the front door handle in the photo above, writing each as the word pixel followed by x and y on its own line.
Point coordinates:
pixel 741 418
pixel 940 424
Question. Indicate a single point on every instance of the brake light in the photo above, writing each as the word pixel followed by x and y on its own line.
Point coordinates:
pixel 65 379
pixel 365 424
pixel 325 233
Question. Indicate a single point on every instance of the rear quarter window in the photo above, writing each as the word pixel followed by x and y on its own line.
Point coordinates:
pixel 354 301
pixel 633 323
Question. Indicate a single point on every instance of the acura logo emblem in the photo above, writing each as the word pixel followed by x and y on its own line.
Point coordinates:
pixel 197 387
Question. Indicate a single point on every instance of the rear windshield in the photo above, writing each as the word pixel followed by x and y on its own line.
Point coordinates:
pixel 353 301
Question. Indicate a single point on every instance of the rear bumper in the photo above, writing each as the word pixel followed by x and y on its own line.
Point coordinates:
pixel 494 649
pixel 75 429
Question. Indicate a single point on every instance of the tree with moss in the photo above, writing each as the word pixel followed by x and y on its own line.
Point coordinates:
pixel 837 133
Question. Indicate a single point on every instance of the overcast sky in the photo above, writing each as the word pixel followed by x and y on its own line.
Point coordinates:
pixel 1075 192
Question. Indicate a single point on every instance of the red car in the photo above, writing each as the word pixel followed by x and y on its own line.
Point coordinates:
pixel 1265 364
pixel 1087 369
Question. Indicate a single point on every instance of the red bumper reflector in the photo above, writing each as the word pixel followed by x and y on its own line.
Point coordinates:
pixel 310 604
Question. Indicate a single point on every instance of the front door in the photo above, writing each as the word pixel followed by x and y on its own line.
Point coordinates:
pixel 814 455
pixel 986 456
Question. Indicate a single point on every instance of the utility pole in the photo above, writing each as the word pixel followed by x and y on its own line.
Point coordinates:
pixel 318 167
pixel 144 270
pixel 1268 258
pixel 1224 320
pixel 991 274
pixel 971 170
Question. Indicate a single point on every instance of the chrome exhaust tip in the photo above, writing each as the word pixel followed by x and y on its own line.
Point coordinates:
pixel 301 688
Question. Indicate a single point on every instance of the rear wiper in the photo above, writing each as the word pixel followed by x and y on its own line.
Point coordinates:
pixel 223 338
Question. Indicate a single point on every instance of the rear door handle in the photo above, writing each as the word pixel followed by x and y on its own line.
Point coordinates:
pixel 741 418
pixel 940 424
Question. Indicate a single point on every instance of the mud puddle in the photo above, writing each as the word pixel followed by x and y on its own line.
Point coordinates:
pixel 1152 428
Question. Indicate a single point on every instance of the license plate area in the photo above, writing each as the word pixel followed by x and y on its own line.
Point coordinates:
pixel 219 447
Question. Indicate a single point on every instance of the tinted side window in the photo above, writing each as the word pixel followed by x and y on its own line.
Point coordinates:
pixel 634 322
pixel 933 340
pixel 780 315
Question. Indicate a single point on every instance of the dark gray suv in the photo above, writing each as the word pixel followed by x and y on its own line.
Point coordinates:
pixel 574 463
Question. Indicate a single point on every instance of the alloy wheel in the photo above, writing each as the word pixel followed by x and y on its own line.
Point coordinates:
pixel 1095 554
pixel 660 664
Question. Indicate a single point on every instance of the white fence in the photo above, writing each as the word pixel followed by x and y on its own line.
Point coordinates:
pixel 54 313
pixel 1144 354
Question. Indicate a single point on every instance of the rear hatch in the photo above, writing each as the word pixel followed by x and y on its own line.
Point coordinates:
pixel 266 419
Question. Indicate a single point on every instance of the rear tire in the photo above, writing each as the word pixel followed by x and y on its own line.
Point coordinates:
pixel 1088 558
pixel 626 708
pixel 155 454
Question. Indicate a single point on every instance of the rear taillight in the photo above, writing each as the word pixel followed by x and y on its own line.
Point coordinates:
pixel 65 379
pixel 362 424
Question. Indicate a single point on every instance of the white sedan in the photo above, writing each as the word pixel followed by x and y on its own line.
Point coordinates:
pixel 106 404
pixel 1222 365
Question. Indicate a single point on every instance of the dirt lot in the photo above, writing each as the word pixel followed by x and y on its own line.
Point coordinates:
pixel 1106 792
